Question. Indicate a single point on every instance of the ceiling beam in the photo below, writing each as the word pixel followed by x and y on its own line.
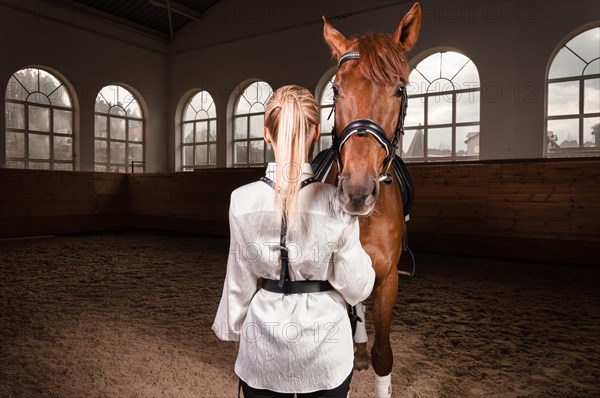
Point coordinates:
pixel 177 8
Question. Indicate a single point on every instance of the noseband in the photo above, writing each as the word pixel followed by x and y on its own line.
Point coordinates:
pixel 362 127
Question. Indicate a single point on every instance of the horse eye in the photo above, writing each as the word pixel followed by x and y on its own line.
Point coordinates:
pixel 336 92
pixel 399 91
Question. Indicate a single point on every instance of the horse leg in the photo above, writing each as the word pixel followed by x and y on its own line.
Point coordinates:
pixel 384 299
pixel 361 358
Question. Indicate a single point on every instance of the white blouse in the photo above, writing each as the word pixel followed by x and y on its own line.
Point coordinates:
pixel 294 343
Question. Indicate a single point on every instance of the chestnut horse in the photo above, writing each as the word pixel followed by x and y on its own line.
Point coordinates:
pixel 370 91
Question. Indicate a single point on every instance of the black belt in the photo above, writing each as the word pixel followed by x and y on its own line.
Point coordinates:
pixel 296 287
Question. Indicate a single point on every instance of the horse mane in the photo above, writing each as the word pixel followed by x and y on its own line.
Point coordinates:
pixel 381 60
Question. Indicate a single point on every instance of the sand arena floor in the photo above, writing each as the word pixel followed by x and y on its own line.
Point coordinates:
pixel 129 315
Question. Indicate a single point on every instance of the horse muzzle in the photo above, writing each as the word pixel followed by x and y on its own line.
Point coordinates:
pixel 357 198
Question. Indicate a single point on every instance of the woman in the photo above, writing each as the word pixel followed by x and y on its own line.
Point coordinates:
pixel 295 260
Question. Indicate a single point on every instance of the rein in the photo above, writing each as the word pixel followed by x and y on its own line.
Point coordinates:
pixel 362 127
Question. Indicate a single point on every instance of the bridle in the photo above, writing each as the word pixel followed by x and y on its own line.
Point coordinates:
pixel 362 127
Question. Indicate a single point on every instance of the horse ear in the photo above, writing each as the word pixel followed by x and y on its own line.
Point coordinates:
pixel 407 33
pixel 336 41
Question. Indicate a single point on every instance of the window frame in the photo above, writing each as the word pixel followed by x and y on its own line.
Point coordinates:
pixel 453 125
pixel 127 141
pixel 248 139
pixel 26 160
pixel 580 150
pixel 210 121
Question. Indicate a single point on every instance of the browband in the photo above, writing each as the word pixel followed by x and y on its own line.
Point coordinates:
pixel 348 56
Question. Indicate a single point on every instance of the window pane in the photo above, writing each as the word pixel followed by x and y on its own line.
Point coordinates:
pixel 15 145
pixel 467 78
pixel 452 63
pixel 201 131
pixel 256 151
pixel 241 128
pixel 28 78
pixel 591 132
pixel 412 144
pixel 117 110
pixel 439 109
pixel 63 148
pixel 100 126
pixel 326 125
pixel 256 126
pixel 12 164
pixel 212 131
pixel 416 83
pixel 117 128
pixel 39 118
pixel 117 152
pixel 563 98
pixel 467 107
pixel 63 122
pixel 136 153
pixel 100 152
pixel 240 152
pixel 565 64
pixel 188 155
pixel 38 98
pixel 439 142
pixel 430 67
pixel 586 44
pixel 15 91
pixel 201 155
pixel 100 167
pixel 593 68
pixel 441 85
pixel 188 133
pixel 212 154
pixel 39 165
pixel 63 166
pixel 242 107
pixel 415 113
pixel 591 92
pixel 136 130
pixel 60 97
pixel 133 110
pixel 15 116
pixel 189 113
pixel 563 133
pixel 39 146
pixel 467 141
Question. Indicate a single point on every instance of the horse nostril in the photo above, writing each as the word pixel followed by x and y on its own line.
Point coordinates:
pixel 375 186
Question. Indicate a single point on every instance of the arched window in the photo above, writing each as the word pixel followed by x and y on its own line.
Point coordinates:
pixel 249 148
pixel 119 131
pixel 39 122
pixel 573 105
pixel 442 121
pixel 325 111
pixel 199 132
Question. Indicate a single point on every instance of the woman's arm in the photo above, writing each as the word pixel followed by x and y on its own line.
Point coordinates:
pixel 239 287
pixel 353 275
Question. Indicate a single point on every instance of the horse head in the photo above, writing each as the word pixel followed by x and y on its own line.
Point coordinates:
pixel 369 92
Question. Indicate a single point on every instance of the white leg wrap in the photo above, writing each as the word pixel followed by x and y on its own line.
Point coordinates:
pixel 361 327
pixel 383 386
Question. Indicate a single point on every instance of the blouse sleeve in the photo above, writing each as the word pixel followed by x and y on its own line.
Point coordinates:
pixel 353 274
pixel 239 288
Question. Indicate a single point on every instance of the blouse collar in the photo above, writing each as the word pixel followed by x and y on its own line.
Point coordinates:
pixel 306 171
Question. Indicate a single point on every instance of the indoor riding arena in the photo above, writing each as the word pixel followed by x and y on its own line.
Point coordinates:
pixel 126 125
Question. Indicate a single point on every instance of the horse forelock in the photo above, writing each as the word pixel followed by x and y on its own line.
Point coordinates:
pixel 381 60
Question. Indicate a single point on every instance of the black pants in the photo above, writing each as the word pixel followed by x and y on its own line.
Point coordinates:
pixel 340 391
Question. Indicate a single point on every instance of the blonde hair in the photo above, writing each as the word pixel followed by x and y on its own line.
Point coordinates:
pixel 291 115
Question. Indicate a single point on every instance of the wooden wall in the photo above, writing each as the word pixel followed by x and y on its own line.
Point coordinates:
pixel 39 202
pixel 542 210
pixel 547 210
